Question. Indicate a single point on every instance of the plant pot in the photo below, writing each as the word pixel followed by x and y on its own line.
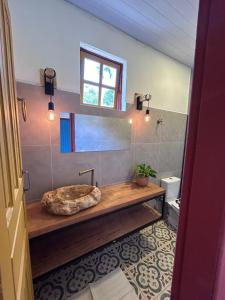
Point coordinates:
pixel 142 181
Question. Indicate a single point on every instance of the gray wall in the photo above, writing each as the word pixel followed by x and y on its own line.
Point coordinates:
pixel 159 145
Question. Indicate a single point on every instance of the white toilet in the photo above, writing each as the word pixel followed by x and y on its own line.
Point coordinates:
pixel 172 187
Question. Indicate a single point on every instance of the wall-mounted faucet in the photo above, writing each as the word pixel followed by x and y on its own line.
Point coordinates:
pixel 92 171
pixel 160 121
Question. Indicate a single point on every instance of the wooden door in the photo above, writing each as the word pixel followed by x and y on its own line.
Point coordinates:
pixel 199 272
pixel 16 282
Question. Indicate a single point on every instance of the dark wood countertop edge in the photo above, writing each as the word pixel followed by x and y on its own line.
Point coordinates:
pixel 53 227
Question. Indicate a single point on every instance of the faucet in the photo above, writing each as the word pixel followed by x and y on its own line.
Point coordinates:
pixel 92 171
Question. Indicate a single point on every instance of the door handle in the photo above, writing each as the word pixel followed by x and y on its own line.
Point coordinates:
pixel 26 176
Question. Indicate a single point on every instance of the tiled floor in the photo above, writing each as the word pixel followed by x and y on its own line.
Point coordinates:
pixel 146 258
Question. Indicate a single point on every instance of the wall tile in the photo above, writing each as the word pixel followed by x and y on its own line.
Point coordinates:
pixel 147 132
pixel 66 101
pixel 37 160
pixel 174 127
pixel 170 156
pixel 36 130
pixel 66 167
pixel 116 166
pixel 178 173
pixel 148 153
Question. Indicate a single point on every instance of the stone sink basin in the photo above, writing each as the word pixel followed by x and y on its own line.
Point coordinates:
pixel 71 199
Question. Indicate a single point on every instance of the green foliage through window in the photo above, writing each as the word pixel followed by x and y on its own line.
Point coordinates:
pixel 90 94
pixel 108 97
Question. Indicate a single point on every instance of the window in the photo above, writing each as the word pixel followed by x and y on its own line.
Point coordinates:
pixel 101 81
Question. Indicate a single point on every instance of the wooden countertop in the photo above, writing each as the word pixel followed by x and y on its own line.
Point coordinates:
pixel 114 197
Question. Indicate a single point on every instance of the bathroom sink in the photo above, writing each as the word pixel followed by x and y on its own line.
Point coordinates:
pixel 71 199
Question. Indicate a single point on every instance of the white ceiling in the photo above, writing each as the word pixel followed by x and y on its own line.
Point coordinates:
pixel 166 25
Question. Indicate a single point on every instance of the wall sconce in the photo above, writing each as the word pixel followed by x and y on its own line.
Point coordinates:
pixel 140 100
pixel 49 77
pixel 130 121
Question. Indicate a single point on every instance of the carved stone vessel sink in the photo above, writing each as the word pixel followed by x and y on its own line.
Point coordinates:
pixel 71 199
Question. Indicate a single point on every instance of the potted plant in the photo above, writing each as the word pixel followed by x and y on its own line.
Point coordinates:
pixel 142 173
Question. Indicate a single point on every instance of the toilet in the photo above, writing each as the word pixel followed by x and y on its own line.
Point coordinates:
pixel 172 187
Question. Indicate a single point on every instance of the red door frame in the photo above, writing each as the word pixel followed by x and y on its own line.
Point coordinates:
pixel 199 271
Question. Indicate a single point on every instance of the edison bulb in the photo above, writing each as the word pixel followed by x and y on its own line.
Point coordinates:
pixel 51 115
pixel 147 118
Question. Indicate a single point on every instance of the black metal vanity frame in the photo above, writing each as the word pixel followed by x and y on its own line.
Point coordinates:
pixel 163 198
pixel 40 243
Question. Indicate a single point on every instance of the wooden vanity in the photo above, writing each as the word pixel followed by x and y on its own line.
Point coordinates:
pixel 56 240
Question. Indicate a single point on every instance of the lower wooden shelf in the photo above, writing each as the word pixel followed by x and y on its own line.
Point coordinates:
pixel 54 249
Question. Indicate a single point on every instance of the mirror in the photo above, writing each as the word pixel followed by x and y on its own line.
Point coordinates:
pixel 85 133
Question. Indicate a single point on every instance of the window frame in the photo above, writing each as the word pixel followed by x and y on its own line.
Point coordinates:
pixel 103 61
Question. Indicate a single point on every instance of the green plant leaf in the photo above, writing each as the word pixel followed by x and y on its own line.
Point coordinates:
pixel 143 170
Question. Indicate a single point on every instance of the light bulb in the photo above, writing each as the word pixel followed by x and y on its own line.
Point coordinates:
pixel 147 118
pixel 51 108
pixel 130 121
pixel 51 115
pixel 147 115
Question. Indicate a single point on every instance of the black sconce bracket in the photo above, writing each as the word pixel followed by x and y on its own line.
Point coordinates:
pixel 139 103
pixel 49 77
pixel 141 99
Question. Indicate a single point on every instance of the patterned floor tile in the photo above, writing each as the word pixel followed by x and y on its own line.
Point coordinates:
pixel 146 258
